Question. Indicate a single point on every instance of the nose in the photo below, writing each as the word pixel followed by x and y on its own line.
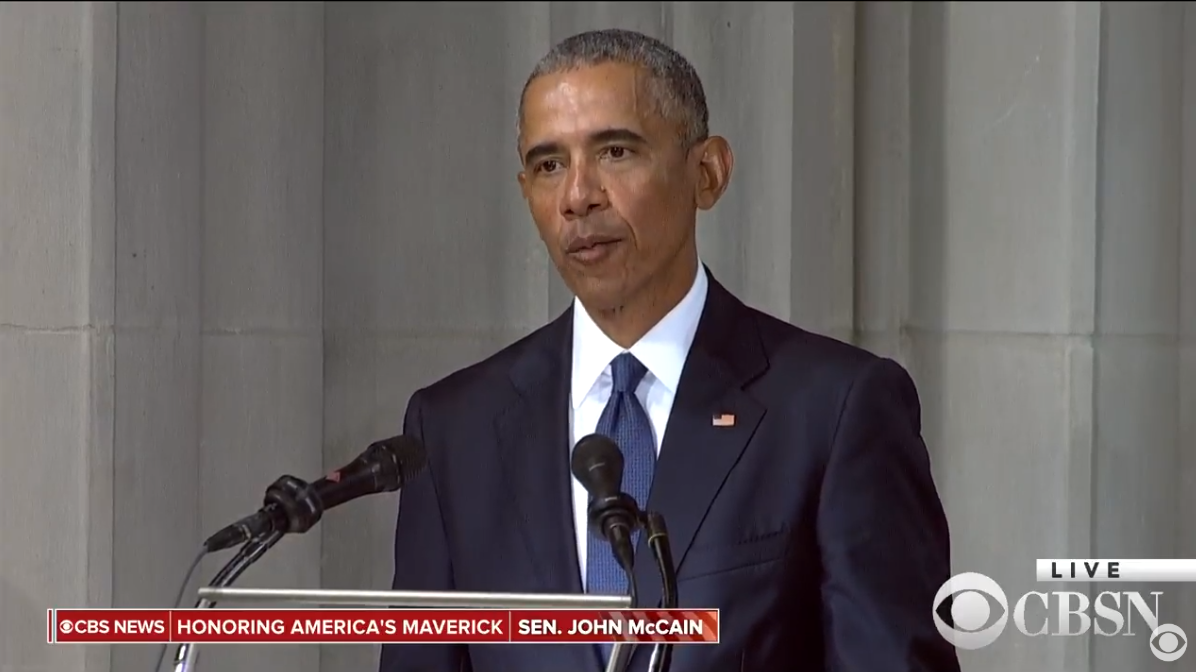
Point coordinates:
pixel 584 192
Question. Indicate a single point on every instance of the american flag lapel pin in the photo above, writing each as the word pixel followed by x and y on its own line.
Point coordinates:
pixel 723 420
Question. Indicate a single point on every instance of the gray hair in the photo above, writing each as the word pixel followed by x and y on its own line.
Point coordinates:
pixel 675 86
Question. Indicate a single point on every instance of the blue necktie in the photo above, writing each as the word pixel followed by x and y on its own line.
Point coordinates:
pixel 626 423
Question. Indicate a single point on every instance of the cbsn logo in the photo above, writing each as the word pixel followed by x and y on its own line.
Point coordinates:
pixel 964 602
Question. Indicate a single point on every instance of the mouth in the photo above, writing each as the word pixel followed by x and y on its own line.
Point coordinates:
pixel 592 249
pixel 587 243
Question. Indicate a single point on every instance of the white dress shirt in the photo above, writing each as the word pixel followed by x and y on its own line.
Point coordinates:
pixel 662 351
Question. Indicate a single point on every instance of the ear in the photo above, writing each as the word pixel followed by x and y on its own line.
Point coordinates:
pixel 715 163
pixel 523 183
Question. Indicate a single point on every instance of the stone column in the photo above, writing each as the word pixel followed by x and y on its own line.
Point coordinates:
pixel 157 492
pixel 262 245
pixel 1024 247
pixel 57 232
pixel 1144 448
pixel 976 261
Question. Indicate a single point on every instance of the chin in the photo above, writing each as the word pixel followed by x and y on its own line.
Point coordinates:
pixel 600 302
pixel 599 296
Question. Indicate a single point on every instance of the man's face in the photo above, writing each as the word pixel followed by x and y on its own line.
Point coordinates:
pixel 610 187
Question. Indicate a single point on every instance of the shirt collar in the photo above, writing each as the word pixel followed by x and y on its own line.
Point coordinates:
pixel 662 350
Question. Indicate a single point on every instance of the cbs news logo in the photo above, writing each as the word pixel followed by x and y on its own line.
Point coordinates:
pixel 963 613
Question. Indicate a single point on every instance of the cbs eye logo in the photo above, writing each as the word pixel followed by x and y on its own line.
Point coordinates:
pixel 963 619
pixel 1168 642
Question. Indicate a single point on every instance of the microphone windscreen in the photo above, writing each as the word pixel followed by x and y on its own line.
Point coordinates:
pixel 598 465
pixel 408 455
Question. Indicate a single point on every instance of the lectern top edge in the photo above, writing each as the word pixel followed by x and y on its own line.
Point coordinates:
pixel 416 599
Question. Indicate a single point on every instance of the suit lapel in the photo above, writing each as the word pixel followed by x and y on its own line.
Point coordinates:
pixel 698 452
pixel 533 440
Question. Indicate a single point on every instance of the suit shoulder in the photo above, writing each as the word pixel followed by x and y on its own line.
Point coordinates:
pixel 787 343
pixel 791 348
pixel 813 371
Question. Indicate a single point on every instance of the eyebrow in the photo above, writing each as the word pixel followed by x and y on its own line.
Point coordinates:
pixel 600 137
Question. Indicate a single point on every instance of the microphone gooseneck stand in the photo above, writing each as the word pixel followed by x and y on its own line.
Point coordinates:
pixel 298 508
pixel 618 511
pixel 618 516
pixel 658 541
pixel 254 549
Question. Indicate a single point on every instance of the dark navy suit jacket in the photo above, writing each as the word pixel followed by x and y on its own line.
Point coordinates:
pixel 813 522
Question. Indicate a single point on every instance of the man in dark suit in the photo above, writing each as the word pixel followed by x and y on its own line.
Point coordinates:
pixel 788 466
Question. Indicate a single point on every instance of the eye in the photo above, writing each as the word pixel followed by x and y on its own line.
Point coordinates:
pixel 617 152
pixel 548 166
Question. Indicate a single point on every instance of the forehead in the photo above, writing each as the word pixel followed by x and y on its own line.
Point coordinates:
pixel 576 103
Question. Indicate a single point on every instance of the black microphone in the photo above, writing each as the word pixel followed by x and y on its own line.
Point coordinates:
pixel 293 506
pixel 598 465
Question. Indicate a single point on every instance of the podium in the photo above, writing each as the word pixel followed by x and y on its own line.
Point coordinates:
pixel 185 659
pixel 294 506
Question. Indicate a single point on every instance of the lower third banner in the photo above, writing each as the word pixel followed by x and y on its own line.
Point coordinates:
pixel 379 626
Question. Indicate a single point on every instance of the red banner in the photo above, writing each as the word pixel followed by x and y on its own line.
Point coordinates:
pixel 379 626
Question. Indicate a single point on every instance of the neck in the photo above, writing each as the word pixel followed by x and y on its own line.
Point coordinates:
pixel 627 324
